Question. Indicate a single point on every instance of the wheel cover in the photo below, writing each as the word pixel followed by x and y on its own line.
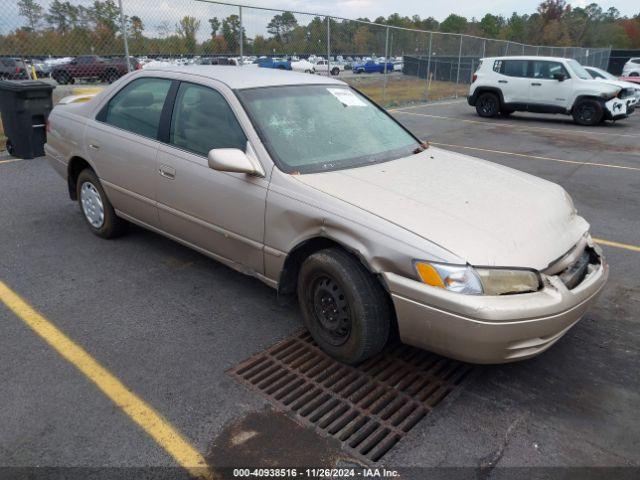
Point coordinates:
pixel 92 205
pixel 487 105
pixel 331 310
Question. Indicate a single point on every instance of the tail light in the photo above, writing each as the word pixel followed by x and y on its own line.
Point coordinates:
pixel 474 77
pixel 18 69
pixel 47 125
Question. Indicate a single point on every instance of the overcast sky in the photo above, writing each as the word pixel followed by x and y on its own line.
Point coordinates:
pixel 156 12
pixel 439 9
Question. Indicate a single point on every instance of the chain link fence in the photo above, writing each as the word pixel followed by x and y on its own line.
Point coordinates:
pixel 74 41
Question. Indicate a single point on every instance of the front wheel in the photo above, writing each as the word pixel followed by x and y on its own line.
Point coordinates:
pixel 96 208
pixel 588 112
pixel 335 71
pixel 634 74
pixel 343 305
pixel 488 105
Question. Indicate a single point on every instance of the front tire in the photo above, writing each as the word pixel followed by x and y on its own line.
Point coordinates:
pixel 488 105
pixel 343 305
pixel 335 71
pixel 587 112
pixel 96 208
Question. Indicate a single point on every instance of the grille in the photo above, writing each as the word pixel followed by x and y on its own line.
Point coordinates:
pixel 368 408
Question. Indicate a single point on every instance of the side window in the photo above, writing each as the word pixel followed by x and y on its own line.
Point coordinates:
pixel 202 120
pixel 497 66
pixel 596 74
pixel 514 68
pixel 546 70
pixel 137 107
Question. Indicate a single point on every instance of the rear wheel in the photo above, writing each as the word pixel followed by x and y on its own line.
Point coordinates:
pixel 110 76
pixel 634 74
pixel 62 78
pixel 335 71
pixel 488 105
pixel 343 305
pixel 588 112
pixel 96 208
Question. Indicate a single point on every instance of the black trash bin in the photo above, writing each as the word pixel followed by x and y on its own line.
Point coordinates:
pixel 25 106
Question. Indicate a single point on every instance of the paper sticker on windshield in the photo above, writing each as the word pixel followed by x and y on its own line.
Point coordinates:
pixel 346 97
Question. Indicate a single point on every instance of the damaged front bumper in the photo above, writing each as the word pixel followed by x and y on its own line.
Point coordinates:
pixel 493 329
pixel 618 108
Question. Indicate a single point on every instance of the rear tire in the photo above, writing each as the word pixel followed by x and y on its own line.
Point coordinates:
pixel 96 208
pixel 343 305
pixel 335 71
pixel 488 105
pixel 62 78
pixel 111 76
pixel 587 112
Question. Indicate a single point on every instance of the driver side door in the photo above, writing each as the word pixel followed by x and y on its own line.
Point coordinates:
pixel 219 212
pixel 547 92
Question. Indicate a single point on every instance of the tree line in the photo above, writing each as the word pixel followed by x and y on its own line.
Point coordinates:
pixel 66 29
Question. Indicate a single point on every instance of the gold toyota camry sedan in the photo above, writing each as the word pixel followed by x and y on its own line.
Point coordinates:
pixel 309 186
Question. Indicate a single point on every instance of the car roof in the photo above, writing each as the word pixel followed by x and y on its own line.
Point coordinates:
pixel 249 77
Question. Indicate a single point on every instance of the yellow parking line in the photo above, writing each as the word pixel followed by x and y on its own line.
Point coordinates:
pixel 520 126
pixel 609 243
pixel 537 157
pixel 137 409
pixel 11 160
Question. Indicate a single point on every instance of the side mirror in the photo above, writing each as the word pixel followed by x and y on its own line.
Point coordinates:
pixel 233 160
pixel 559 76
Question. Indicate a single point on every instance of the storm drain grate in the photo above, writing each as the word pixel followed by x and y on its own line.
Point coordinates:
pixel 368 408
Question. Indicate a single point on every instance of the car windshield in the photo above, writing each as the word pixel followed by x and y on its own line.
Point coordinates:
pixel 318 128
pixel 578 70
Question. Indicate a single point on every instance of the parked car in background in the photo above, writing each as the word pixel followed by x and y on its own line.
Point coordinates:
pixel 603 76
pixel 307 185
pixel 631 68
pixel 503 85
pixel 333 67
pixel 12 69
pixel 304 66
pixel 371 66
pixel 89 67
pixel 134 63
pixel 398 65
pixel 277 63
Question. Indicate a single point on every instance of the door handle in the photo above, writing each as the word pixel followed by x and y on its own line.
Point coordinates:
pixel 167 172
pixel 94 146
pixel 503 81
pixel 536 84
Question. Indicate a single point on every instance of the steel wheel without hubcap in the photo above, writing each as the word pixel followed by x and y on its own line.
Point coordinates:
pixel 92 204
pixel 331 310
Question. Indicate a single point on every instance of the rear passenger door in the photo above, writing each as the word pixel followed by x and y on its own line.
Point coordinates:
pixel 122 144
pixel 220 212
pixel 513 81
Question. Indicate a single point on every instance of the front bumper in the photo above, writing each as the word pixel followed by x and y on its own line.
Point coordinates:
pixel 491 329
pixel 616 109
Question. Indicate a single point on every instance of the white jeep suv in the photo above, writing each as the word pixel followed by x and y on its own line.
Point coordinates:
pixel 503 85
pixel 631 68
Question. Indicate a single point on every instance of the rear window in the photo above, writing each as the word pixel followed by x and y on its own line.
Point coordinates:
pixel 515 68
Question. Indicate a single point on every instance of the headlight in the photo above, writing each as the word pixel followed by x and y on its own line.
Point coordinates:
pixel 610 95
pixel 477 281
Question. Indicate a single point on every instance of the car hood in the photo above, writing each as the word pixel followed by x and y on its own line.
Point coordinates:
pixel 482 212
